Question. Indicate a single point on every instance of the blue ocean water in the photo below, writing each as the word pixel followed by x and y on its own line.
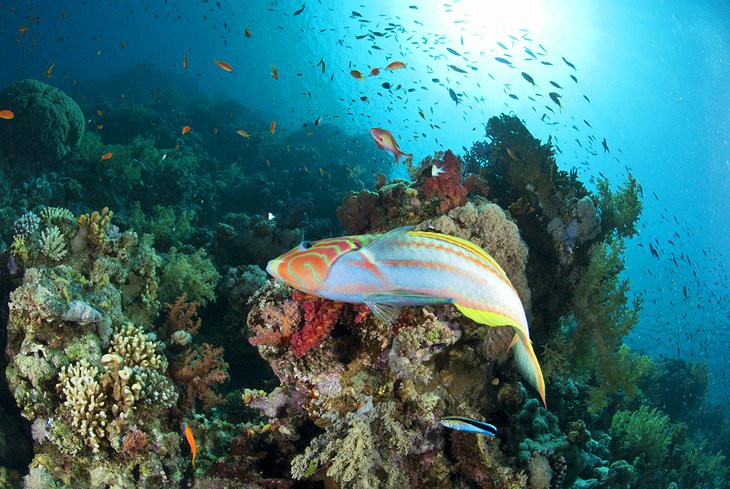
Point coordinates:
pixel 651 79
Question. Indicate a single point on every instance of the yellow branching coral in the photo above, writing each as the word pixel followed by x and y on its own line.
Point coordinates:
pixel 19 248
pixel 52 243
pixel 137 349
pixel 96 225
pixel 85 401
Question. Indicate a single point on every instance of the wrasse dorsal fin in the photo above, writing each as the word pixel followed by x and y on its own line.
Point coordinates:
pixel 462 243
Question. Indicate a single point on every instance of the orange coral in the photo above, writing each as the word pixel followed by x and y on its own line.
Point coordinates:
pixel 278 324
pixel 182 315
pixel 197 371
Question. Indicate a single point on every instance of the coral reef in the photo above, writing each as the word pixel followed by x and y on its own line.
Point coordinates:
pixel 80 371
pixel 48 124
pixel 398 203
pixel 322 393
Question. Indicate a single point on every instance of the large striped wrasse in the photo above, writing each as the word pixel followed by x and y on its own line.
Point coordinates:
pixel 404 267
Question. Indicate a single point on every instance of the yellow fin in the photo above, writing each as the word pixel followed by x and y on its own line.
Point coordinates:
pixel 525 357
pixel 491 318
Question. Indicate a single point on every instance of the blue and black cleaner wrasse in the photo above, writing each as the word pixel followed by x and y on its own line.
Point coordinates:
pixel 404 267
pixel 469 425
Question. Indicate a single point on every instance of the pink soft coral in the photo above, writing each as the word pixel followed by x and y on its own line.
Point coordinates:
pixel 320 316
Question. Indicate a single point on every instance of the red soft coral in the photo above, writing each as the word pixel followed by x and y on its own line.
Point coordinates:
pixel 320 316
pixel 446 187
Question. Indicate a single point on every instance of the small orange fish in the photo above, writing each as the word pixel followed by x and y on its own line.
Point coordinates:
pixel 6 114
pixel 215 130
pixel 100 113
pixel 246 32
pixel 99 127
pixel 274 72
pixel 191 441
pixel 272 128
pixel 243 133
pixel 224 66
pixel 106 156
pixel 22 30
pixel 185 61
pixel 185 129
pixel 395 65
pixel 375 72
pixel 50 69
pixel 385 140
pixel 357 74
pixel 122 45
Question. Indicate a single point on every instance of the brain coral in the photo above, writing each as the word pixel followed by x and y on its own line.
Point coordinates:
pixel 47 124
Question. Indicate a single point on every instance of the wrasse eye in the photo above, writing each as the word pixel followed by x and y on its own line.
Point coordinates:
pixel 306 245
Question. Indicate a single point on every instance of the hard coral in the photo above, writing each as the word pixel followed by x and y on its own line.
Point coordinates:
pixel 48 124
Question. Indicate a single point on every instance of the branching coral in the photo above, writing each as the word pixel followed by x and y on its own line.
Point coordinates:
pixel 52 243
pixel 136 349
pixel 85 400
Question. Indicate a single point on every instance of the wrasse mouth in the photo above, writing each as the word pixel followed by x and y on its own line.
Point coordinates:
pixel 272 267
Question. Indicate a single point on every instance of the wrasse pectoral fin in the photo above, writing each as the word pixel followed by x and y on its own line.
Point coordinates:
pixel 387 313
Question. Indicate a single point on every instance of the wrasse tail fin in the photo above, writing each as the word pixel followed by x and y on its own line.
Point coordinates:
pixel 525 357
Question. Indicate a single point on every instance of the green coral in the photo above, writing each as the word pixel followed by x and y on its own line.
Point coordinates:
pixel 645 433
pixel 168 226
pixel 604 315
pixel 193 274
pixel 48 124
pixel 620 210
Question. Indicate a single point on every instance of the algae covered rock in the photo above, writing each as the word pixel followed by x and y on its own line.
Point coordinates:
pixel 48 124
